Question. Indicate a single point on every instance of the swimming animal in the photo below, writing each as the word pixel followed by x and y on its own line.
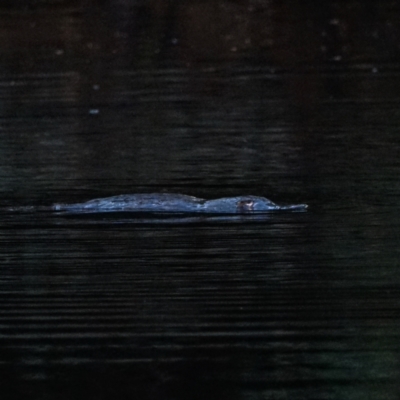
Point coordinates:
pixel 176 203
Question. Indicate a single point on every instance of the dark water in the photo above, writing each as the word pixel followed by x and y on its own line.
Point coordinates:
pixel 294 102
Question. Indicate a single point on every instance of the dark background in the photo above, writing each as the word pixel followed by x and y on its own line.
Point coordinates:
pixel 297 101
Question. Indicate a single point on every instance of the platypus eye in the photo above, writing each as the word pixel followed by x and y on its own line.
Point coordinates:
pixel 245 205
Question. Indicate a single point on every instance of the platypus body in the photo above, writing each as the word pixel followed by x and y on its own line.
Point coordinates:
pixel 176 203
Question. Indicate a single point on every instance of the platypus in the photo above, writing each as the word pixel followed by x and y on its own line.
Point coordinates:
pixel 176 203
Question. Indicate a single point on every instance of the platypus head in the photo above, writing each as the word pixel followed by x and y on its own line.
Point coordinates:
pixel 247 204
pixel 254 203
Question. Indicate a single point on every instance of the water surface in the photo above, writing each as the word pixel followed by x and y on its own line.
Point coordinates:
pixel 296 104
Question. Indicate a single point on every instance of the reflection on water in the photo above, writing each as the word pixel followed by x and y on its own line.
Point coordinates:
pixel 278 307
pixel 297 104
